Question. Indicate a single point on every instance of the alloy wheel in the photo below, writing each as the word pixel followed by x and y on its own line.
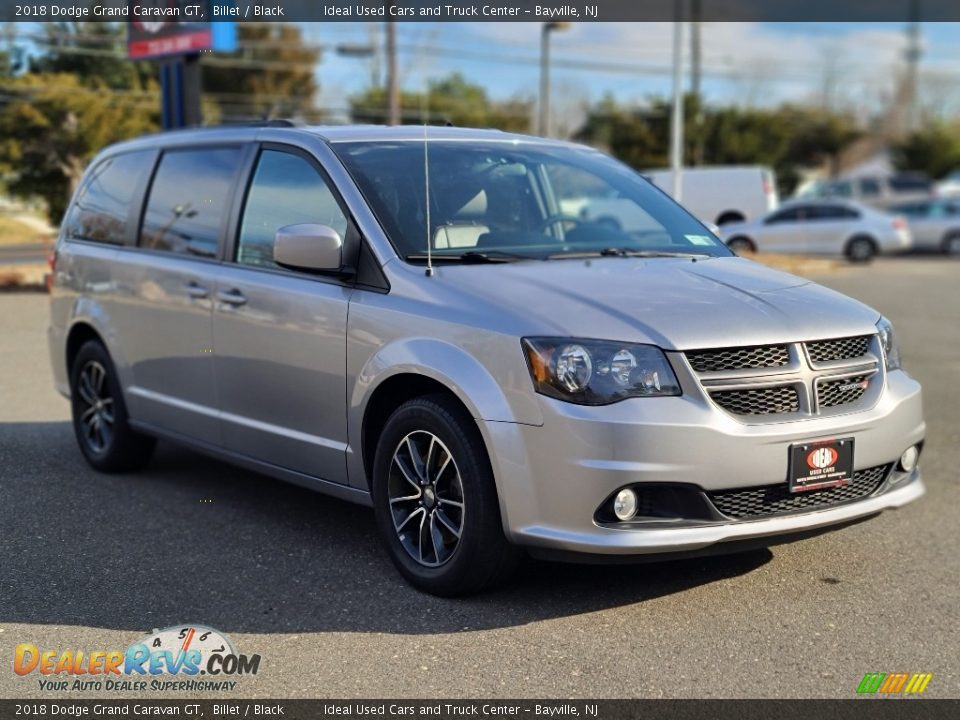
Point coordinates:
pixel 425 491
pixel 97 417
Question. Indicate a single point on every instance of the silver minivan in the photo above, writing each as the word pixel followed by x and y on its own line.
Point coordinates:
pixel 406 318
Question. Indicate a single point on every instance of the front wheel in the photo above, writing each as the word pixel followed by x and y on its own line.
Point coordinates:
pixel 861 249
pixel 435 500
pixel 100 423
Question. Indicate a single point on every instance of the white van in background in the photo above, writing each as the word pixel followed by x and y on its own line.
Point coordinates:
pixel 724 193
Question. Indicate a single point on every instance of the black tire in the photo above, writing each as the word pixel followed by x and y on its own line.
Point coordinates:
pixel 741 244
pixel 951 244
pixel 860 249
pixel 109 445
pixel 480 556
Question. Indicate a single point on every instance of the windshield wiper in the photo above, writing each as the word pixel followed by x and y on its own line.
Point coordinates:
pixel 472 257
pixel 623 252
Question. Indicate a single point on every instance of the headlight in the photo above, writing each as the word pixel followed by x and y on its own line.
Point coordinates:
pixel 597 372
pixel 891 351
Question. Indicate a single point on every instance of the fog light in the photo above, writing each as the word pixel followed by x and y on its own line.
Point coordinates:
pixel 908 461
pixel 625 504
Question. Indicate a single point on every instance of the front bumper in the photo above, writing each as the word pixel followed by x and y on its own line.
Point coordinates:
pixel 552 478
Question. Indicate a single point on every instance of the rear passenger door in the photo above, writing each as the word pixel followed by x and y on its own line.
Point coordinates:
pixel 279 335
pixel 165 290
pixel 784 231
pixel 828 228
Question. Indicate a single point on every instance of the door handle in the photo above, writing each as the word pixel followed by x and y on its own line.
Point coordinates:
pixel 231 297
pixel 197 292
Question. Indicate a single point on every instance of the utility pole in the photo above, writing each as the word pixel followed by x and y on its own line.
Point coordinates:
pixel 676 117
pixel 393 81
pixel 695 65
pixel 543 123
pixel 913 53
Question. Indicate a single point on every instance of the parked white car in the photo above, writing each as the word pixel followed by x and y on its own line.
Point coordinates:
pixel 722 194
pixel 935 224
pixel 821 227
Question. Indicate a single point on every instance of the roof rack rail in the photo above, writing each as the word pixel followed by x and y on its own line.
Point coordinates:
pixel 266 122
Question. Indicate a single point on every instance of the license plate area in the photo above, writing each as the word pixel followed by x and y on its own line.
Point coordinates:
pixel 819 465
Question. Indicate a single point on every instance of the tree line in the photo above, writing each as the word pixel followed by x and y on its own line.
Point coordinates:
pixel 77 93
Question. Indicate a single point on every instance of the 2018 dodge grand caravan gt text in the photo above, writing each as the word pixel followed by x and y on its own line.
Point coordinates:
pixel 416 325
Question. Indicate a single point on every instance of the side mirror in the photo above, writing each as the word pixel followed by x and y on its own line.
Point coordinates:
pixel 308 247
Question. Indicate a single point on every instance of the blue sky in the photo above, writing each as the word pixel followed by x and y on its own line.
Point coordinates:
pixel 847 64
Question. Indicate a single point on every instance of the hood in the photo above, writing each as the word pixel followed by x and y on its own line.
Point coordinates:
pixel 670 302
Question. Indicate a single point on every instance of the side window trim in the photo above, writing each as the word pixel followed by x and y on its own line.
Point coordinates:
pixel 139 205
pixel 240 206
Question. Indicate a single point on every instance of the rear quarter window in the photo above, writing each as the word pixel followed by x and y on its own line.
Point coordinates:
pixel 102 207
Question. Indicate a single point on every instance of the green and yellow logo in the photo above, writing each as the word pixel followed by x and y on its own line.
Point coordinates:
pixel 894 683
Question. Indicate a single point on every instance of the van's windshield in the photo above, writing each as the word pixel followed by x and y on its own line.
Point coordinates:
pixel 492 201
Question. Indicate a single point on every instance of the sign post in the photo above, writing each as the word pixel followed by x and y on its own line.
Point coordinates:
pixel 177 44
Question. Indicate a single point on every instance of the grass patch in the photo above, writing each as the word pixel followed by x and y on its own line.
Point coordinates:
pixel 15 232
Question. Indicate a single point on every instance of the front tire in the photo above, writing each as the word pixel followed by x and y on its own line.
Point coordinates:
pixel 435 500
pixel 861 249
pixel 100 421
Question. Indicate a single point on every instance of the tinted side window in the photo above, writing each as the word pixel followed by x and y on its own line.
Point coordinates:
pixel 103 204
pixel 789 215
pixel 906 183
pixel 869 187
pixel 188 200
pixel 286 190
pixel 831 212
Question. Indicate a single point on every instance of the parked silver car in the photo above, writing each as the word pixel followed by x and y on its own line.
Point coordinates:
pixel 490 374
pixel 821 227
pixel 935 224
pixel 880 191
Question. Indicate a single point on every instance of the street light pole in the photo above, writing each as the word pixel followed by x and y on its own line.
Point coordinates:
pixel 543 123
pixel 393 81
pixel 676 118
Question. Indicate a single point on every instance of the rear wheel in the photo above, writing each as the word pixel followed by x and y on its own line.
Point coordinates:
pixel 951 244
pixel 100 421
pixel 435 500
pixel 861 249
pixel 741 245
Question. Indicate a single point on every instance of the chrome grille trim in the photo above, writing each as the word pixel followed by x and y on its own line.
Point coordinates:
pixel 797 389
pixel 767 500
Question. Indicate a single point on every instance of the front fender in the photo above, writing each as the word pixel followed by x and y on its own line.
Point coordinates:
pixel 455 368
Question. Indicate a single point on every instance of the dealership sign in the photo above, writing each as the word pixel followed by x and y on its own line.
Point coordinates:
pixel 158 28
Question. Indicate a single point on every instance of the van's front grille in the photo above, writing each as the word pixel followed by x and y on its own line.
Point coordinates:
pixel 777 499
pixel 786 381
pixel 761 356
pixel 760 401
pixel 833 393
pixel 839 349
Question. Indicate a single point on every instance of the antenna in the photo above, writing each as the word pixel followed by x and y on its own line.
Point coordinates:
pixel 426 184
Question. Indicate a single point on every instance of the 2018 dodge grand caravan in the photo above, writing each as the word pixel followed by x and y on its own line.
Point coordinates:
pixel 416 325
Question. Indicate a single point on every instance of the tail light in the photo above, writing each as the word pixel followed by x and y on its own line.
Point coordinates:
pixel 52 268
pixel 767 185
pixel 900 223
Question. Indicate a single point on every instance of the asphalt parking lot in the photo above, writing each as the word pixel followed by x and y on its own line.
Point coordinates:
pixel 92 561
